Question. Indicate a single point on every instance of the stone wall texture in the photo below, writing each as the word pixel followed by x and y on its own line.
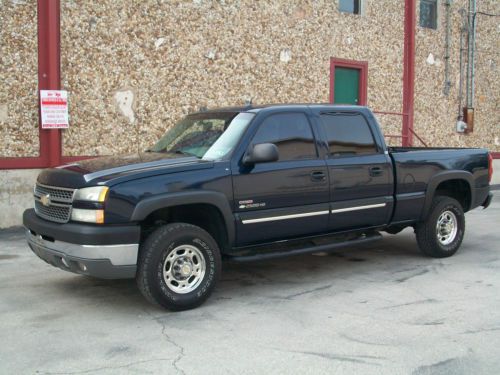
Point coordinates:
pixel 134 68
pixel 18 79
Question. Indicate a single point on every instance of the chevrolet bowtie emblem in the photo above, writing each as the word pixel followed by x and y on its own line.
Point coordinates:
pixel 45 199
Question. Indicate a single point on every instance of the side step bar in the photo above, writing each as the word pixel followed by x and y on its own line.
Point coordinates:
pixel 328 247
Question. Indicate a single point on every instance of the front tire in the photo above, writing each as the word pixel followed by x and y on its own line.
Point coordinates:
pixel 441 234
pixel 178 267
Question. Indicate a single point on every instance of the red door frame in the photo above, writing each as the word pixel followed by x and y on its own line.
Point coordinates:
pixel 362 66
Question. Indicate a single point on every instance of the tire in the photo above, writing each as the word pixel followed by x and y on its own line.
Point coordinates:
pixel 178 266
pixel 442 241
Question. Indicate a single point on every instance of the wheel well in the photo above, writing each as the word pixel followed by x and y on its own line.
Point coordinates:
pixel 457 189
pixel 203 215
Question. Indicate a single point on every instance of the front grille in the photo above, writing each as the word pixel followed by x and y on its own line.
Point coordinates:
pixel 58 203
pixel 56 193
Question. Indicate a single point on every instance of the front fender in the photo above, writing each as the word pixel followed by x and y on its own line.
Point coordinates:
pixel 219 200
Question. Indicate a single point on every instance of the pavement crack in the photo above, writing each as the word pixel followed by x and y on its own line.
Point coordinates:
pixel 354 339
pixel 291 296
pixel 420 273
pixel 104 367
pixel 343 358
pixel 180 355
pixel 428 300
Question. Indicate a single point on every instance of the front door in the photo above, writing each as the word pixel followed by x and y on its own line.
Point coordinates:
pixel 286 198
pixel 346 90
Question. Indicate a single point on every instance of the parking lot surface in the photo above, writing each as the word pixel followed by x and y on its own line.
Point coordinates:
pixel 377 309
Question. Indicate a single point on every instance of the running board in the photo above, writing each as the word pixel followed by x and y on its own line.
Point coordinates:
pixel 329 247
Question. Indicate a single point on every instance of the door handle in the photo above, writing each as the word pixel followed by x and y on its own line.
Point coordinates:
pixel 376 171
pixel 318 176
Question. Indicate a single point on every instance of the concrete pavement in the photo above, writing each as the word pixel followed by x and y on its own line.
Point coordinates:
pixel 379 309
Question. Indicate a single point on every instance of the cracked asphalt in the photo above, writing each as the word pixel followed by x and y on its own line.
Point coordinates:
pixel 377 309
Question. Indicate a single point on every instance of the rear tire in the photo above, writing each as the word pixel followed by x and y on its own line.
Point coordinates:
pixel 178 266
pixel 441 234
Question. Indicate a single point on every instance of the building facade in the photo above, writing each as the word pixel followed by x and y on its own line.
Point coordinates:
pixel 133 68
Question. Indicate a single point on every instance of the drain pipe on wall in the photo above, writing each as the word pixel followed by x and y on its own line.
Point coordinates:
pixel 461 125
pixel 471 43
pixel 447 82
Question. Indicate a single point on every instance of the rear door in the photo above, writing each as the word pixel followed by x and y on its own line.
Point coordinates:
pixel 360 172
pixel 286 198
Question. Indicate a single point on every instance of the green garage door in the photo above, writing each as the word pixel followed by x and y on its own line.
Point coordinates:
pixel 346 89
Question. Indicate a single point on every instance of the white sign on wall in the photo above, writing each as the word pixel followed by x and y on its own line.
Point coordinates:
pixel 54 109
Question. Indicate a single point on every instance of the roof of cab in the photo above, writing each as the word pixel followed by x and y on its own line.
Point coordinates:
pixel 259 108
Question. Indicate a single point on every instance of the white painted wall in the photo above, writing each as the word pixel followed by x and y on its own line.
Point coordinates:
pixel 16 194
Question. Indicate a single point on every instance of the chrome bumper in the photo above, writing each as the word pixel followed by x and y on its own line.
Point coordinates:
pixel 104 261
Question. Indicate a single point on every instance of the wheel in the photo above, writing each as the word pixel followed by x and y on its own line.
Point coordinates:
pixel 441 234
pixel 178 266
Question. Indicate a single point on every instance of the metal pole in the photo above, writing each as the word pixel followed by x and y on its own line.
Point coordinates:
pixel 49 75
pixel 409 71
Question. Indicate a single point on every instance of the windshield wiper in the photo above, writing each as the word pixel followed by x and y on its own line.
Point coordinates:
pixel 182 152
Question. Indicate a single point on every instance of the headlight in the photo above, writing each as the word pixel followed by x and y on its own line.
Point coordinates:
pixel 88 216
pixel 93 194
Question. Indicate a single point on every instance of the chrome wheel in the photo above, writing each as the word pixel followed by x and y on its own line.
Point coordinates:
pixel 446 228
pixel 184 269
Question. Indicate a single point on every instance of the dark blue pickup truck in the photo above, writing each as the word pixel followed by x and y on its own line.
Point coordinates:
pixel 247 184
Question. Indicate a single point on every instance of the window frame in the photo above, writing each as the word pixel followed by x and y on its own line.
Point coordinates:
pixel 436 2
pixel 322 127
pixel 361 8
pixel 311 128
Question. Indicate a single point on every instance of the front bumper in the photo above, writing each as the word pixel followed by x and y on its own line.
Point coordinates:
pixel 108 252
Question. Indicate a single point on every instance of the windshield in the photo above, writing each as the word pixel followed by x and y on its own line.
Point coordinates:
pixel 210 135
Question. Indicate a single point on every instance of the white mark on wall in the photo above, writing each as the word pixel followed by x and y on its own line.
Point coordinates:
pixel 124 101
pixel 159 42
pixel 430 59
pixel 348 40
pixel 497 141
pixel 211 53
pixel 4 112
pixel 285 55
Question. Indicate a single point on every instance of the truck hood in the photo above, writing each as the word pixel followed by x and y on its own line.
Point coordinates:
pixel 114 169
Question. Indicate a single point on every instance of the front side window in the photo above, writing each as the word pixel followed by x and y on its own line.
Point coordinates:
pixel 348 134
pixel 210 136
pixel 350 6
pixel 291 133
pixel 428 14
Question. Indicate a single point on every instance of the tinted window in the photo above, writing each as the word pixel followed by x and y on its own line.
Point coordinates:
pixel 428 13
pixel 291 133
pixel 350 6
pixel 348 134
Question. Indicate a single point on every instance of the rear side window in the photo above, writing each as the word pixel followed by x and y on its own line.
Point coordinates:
pixel 291 133
pixel 348 134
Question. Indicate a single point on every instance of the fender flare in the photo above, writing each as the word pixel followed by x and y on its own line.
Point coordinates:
pixel 441 177
pixel 219 200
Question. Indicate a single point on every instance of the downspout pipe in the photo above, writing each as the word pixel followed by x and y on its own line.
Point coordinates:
pixel 463 31
pixel 471 43
pixel 409 71
pixel 473 55
pixel 447 82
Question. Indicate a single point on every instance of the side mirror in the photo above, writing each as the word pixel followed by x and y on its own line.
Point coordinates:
pixel 261 153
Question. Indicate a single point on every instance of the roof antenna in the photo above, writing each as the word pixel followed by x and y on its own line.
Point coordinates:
pixel 248 102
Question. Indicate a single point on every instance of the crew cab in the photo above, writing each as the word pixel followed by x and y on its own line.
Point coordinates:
pixel 248 184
